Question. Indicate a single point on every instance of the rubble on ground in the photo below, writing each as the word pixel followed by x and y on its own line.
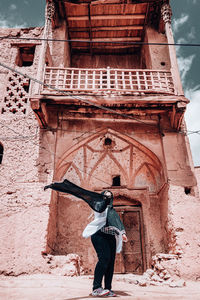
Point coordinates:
pixel 65 265
pixel 159 274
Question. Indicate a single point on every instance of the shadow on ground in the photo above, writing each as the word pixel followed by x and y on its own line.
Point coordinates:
pixel 119 293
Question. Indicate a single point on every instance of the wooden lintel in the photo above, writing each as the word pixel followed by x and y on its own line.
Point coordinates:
pixel 118 111
pixel 107 17
pixel 107 118
pixel 105 47
pixel 110 39
pixel 105 2
pixel 118 99
pixel 106 28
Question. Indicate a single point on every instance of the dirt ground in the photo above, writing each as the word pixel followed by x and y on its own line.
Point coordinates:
pixel 51 287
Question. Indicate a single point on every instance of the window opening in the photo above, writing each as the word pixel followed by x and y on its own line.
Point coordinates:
pixel 25 56
pixel 107 142
pixel 187 190
pixel 116 181
pixel 1 153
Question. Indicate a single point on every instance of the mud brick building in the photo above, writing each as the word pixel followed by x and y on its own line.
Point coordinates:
pixel 110 115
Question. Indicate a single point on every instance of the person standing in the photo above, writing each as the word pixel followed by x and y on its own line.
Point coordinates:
pixel 107 235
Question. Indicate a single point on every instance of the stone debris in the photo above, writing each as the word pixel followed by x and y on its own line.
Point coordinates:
pixel 158 275
pixel 65 265
pixel 178 283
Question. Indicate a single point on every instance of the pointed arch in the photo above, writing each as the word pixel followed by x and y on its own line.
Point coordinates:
pixel 140 174
pixel 77 171
pixel 114 160
pixel 152 161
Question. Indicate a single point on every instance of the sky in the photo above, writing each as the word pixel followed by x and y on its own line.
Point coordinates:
pixel 186 28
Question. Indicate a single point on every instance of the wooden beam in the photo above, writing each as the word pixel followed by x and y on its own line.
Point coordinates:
pixel 107 47
pixel 167 100
pixel 107 17
pixel 90 28
pixel 96 40
pixel 104 2
pixel 107 28
pixel 67 29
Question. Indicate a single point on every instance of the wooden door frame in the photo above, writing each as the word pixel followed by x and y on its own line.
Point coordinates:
pixel 127 196
pixel 137 208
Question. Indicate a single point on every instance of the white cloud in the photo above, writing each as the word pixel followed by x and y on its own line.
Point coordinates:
pixel 191 34
pixel 13 7
pixel 177 23
pixel 193 108
pixel 185 64
pixel 193 122
pixel 5 23
pixel 193 1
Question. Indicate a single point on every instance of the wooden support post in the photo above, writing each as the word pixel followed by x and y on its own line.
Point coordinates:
pixel 166 15
pixel 42 60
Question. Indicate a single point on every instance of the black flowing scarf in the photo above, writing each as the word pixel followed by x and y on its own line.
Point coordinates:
pixel 98 202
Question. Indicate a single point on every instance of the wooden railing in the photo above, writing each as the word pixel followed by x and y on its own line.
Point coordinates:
pixel 105 81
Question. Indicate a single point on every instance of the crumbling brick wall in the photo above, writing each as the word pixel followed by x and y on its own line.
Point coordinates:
pixel 25 166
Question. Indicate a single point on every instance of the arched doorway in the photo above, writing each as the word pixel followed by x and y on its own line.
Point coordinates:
pixel 106 160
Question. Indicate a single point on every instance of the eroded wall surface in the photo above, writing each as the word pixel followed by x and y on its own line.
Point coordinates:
pixel 33 221
pixel 25 167
pixel 184 229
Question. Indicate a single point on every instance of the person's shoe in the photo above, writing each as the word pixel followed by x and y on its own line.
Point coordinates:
pixel 111 294
pixel 100 292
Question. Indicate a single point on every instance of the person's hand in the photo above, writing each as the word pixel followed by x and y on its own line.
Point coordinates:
pixel 124 238
pixel 47 187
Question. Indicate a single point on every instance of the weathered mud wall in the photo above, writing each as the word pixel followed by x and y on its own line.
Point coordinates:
pixel 33 221
pixel 184 231
pixel 25 166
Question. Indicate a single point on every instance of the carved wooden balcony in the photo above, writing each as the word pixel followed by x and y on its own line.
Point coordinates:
pixel 105 81
pixel 132 91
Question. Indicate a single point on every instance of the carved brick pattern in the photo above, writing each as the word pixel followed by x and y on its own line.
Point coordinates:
pixel 16 98
pixel 166 13
pixel 137 165
pixel 50 10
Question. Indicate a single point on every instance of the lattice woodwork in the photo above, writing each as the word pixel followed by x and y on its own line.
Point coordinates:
pixel 16 99
pixel 108 80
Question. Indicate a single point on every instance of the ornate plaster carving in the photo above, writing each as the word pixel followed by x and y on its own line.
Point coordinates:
pixel 92 163
pixel 166 13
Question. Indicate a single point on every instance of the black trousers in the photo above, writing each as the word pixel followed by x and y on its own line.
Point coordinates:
pixel 105 246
